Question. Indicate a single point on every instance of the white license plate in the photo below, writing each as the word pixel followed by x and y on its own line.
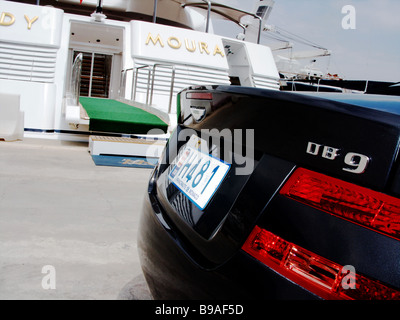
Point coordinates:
pixel 197 174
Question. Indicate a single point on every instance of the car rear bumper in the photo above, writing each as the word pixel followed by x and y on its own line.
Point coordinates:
pixel 172 274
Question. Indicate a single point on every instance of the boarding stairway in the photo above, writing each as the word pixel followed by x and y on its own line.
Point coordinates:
pixel 100 81
pixel 128 144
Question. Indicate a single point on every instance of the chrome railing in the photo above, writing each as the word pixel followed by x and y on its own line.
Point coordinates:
pixel 151 80
pixel 75 83
pixel 171 90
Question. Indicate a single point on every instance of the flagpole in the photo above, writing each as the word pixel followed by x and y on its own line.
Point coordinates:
pixel 155 11
pixel 99 9
pixel 98 14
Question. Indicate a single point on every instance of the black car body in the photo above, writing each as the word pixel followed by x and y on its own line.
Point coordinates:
pixel 306 204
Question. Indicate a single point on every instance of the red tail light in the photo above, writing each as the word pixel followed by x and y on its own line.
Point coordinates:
pixel 199 95
pixel 314 273
pixel 360 205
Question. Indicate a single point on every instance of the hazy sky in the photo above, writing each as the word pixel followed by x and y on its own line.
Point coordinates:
pixel 370 51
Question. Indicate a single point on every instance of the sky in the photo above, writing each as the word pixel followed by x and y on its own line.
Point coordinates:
pixel 365 43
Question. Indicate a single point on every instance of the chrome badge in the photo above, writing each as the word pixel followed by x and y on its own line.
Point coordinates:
pixel 355 162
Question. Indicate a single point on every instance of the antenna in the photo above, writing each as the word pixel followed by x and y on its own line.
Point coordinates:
pixel 99 8
pixel 98 15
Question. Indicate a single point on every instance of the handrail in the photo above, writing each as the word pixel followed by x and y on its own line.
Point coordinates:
pixel 208 14
pixel 201 6
pixel 136 75
pixel 259 28
pixel 122 84
pixel 171 90
pixel 75 84
pixel 135 70
pixel 150 82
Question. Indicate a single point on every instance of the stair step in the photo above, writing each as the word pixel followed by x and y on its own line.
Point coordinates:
pixel 141 147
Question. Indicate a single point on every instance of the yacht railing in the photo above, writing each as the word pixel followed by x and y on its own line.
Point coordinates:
pixel 216 5
pixel 171 90
pixel 134 79
pixel 75 84
pixel 136 76
pixel 122 83
pixel 151 80
pixel 208 14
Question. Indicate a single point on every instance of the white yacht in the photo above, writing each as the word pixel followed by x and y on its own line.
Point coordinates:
pixel 72 69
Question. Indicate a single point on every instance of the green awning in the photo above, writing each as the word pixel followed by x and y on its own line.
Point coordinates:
pixel 108 115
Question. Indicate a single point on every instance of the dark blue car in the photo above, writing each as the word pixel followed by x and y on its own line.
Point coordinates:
pixel 276 195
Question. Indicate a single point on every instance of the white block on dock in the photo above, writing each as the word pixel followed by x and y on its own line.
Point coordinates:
pixel 146 147
pixel 11 118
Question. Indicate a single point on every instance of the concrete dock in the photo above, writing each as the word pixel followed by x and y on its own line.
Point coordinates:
pixel 68 228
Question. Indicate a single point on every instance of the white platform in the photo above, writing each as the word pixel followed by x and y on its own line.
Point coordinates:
pixel 146 147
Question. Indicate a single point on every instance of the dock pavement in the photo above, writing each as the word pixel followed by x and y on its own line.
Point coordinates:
pixel 68 228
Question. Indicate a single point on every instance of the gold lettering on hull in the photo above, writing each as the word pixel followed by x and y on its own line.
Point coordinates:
pixel 8 19
pixel 204 47
pixel 30 21
pixel 174 42
pixel 158 39
pixel 217 50
pixel 190 45
pixel 191 48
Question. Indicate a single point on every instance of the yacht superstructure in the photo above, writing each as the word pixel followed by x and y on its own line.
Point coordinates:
pixel 139 54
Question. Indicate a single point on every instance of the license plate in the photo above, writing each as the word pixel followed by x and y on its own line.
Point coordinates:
pixel 197 174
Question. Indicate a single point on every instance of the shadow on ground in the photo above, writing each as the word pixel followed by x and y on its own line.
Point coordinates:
pixel 136 289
